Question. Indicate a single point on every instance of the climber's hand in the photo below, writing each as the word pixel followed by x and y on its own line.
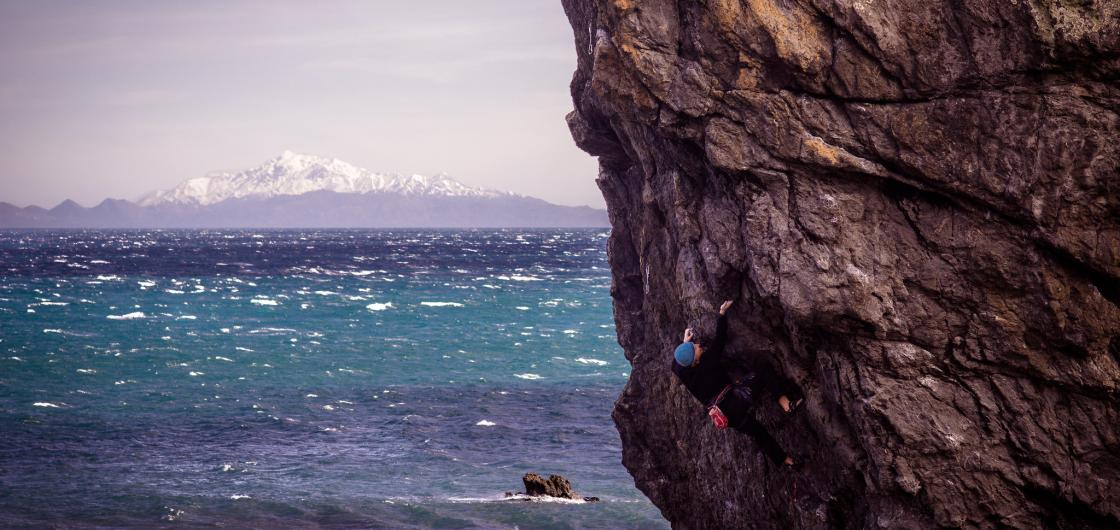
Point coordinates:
pixel 688 335
pixel 723 307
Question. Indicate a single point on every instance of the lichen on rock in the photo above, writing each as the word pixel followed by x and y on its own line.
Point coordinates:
pixel 916 205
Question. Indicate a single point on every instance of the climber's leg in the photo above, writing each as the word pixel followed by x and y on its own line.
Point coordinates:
pixel 788 405
pixel 765 384
pixel 751 427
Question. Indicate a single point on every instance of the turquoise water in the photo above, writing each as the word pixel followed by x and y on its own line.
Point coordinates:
pixel 317 378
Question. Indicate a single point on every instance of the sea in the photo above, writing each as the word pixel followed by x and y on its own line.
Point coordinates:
pixel 308 379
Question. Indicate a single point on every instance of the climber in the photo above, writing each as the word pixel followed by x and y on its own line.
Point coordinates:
pixel 699 367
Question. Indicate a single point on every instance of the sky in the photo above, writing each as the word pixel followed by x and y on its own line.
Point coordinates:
pixel 116 99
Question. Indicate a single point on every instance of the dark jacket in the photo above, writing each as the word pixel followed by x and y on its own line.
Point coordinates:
pixel 707 378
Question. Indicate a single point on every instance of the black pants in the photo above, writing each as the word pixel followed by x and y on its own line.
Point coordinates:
pixel 760 386
pixel 763 384
pixel 740 415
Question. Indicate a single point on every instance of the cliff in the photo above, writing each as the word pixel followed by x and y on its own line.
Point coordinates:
pixel 916 204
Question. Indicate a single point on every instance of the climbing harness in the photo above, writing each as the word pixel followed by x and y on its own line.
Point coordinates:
pixel 743 388
pixel 719 419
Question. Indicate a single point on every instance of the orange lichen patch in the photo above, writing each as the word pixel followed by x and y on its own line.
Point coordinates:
pixel 796 34
pixel 728 13
pixel 748 72
pixel 747 79
pixel 822 150
pixel 610 80
pixel 623 5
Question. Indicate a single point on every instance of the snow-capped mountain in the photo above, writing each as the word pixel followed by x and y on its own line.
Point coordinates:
pixel 303 191
pixel 297 174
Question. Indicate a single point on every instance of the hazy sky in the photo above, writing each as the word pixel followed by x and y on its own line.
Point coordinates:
pixel 114 99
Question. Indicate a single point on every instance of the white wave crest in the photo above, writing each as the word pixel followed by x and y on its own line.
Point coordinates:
pixel 128 316
pixel 441 304
pixel 520 497
pixel 596 362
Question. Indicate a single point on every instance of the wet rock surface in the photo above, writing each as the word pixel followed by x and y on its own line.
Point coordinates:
pixel 916 205
pixel 554 486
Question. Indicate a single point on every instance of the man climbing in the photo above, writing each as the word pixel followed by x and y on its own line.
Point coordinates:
pixel 700 368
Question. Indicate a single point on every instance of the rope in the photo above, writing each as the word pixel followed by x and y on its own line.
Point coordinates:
pixel 793 495
pixel 719 398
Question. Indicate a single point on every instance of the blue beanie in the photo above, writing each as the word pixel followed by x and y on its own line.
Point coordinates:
pixel 685 354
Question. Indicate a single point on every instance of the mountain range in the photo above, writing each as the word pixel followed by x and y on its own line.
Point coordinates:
pixel 305 191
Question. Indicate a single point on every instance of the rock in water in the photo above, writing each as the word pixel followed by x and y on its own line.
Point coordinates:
pixel 553 486
pixel 917 206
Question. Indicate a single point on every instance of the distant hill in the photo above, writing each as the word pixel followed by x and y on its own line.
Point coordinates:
pixel 304 191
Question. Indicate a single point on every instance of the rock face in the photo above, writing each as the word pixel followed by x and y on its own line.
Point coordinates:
pixel 916 205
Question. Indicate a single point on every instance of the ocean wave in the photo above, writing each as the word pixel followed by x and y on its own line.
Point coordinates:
pixel 519 278
pixel 441 304
pixel 485 423
pixel 264 301
pixel 518 497
pixel 45 405
pixel 379 306
pixel 596 362
pixel 128 316
pixel 273 329
pixel 530 377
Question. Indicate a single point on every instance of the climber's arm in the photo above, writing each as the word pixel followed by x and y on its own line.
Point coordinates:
pixel 714 351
